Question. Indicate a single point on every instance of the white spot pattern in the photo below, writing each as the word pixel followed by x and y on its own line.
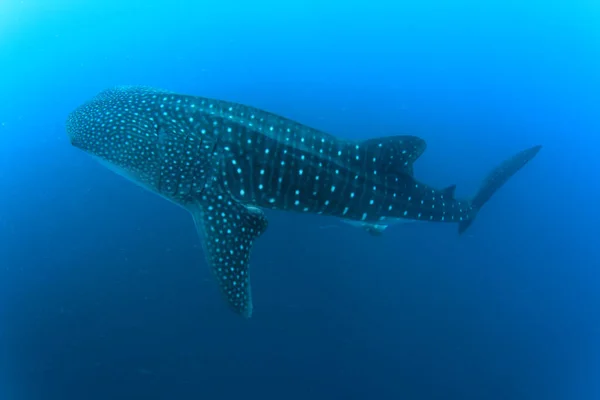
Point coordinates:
pixel 185 147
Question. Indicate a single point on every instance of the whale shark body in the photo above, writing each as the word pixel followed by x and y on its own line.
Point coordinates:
pixel 225 162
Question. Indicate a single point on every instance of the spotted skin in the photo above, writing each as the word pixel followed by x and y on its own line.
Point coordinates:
pixel 225 161
pixel 230 229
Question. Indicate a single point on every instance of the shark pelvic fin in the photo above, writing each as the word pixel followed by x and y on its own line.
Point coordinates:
pixel 227 230
pixel 496 178
pixel 377 229
pixel 373 229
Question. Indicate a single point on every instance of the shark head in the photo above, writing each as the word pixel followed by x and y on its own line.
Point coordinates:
pixel 147 136
pixel 169 144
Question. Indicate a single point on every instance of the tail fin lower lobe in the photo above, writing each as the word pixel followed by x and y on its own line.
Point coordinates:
pixel 498 177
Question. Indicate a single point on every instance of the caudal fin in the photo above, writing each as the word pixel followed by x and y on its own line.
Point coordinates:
pixel 498 177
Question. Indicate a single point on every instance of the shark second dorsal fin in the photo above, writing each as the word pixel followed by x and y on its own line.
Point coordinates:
pixel 391 155
pixel 228 230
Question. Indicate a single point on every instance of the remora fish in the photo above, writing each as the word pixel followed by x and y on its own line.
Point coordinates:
pixel 225 161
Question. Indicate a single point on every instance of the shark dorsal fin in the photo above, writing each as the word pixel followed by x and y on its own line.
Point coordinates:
pixel 392 154
pixel 449 192
pixel 227 230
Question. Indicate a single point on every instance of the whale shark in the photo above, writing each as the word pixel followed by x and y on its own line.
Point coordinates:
pixel 226 162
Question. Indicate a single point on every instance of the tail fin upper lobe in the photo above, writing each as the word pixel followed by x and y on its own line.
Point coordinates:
pixel 497 177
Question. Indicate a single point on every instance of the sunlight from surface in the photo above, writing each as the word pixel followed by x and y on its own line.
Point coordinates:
pixel 18 15
pixel 15 15
pixel 6 18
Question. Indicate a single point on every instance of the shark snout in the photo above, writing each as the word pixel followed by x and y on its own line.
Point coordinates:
pixel 71 134
pixel 73 139
pixel 74 136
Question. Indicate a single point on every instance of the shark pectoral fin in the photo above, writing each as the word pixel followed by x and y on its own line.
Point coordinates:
pixel 228 230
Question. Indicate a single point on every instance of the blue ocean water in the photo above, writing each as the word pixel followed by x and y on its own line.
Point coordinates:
pixel 104 291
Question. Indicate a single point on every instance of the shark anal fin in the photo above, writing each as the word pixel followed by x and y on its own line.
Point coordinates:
pixel 228 230
pixel 393 154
